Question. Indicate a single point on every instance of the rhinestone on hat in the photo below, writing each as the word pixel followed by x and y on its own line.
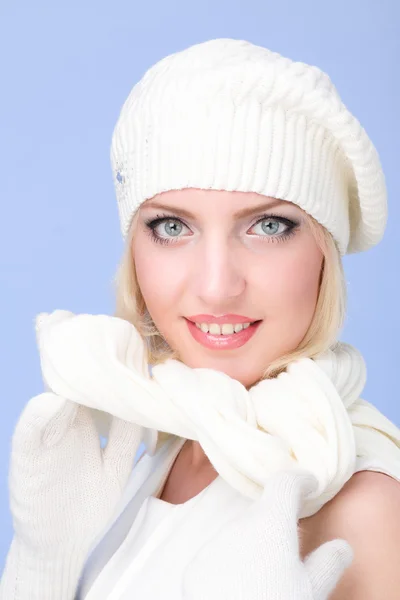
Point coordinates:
pixel 122 172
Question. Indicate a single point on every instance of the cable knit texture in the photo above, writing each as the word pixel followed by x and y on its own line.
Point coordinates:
pixel 228 114
pixel 309 417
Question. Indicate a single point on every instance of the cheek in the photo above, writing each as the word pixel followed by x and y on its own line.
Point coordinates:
pixel 293 282
pixel 161 284
pixel 302 282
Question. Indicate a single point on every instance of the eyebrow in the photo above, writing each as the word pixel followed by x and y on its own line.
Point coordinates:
pixel 244 212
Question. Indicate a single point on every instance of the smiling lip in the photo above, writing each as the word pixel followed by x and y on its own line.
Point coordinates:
pixel 222 342
pixel 233 319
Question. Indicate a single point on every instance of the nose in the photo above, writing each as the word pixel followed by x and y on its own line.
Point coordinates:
pixel 219 274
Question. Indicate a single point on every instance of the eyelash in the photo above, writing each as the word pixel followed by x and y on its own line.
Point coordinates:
pixel 151 225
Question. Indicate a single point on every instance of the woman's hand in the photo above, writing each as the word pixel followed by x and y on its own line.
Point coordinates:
pixel 63 490
pixel 257 556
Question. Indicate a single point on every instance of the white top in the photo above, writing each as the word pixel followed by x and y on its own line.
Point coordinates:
pixel 149 543
pixel 145 549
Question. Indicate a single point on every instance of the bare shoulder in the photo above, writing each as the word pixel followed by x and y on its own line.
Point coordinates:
pixel 366 513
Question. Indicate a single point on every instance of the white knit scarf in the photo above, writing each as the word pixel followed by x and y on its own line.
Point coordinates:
pixel 310 416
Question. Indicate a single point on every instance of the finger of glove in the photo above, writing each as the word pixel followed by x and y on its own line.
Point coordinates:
pixel 325 566
pixel 123 442
pixel 44 420
pixel 283 496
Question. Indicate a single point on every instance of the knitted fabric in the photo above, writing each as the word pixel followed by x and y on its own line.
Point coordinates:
pixel 309 417
pixel 227 114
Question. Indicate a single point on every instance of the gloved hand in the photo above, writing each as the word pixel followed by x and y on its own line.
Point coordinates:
pixel 63 490
pixel 256 557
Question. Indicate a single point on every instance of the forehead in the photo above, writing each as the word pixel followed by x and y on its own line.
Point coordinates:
pixel 197 202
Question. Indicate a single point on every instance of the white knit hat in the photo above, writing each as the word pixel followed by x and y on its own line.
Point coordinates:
pixel 226 114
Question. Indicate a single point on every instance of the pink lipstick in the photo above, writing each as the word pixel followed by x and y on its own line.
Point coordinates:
pixel 222 341
pixel 229 318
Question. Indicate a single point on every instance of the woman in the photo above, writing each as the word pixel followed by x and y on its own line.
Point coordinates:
pixel 241 180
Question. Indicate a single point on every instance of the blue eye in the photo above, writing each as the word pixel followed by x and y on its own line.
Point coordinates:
pixel 276 228
pixel 164 229
pixel 173 228
pixel 269 226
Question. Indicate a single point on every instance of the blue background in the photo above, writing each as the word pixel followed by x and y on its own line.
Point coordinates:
pixel 67 67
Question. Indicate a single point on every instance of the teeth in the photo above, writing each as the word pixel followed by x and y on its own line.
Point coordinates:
pixel 225 329
pixel 214 328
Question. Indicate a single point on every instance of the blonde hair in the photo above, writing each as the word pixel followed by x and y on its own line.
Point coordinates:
pixel 322 333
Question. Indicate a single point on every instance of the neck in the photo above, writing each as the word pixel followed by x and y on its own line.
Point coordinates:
pixel 196 457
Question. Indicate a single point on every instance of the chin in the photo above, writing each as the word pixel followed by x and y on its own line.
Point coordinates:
pixel 232 363
pixel 232 368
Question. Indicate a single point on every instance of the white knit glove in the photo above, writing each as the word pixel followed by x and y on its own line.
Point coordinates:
pixel 63 490
pixel 256 557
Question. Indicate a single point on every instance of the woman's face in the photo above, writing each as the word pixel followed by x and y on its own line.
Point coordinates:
pixel 222 260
